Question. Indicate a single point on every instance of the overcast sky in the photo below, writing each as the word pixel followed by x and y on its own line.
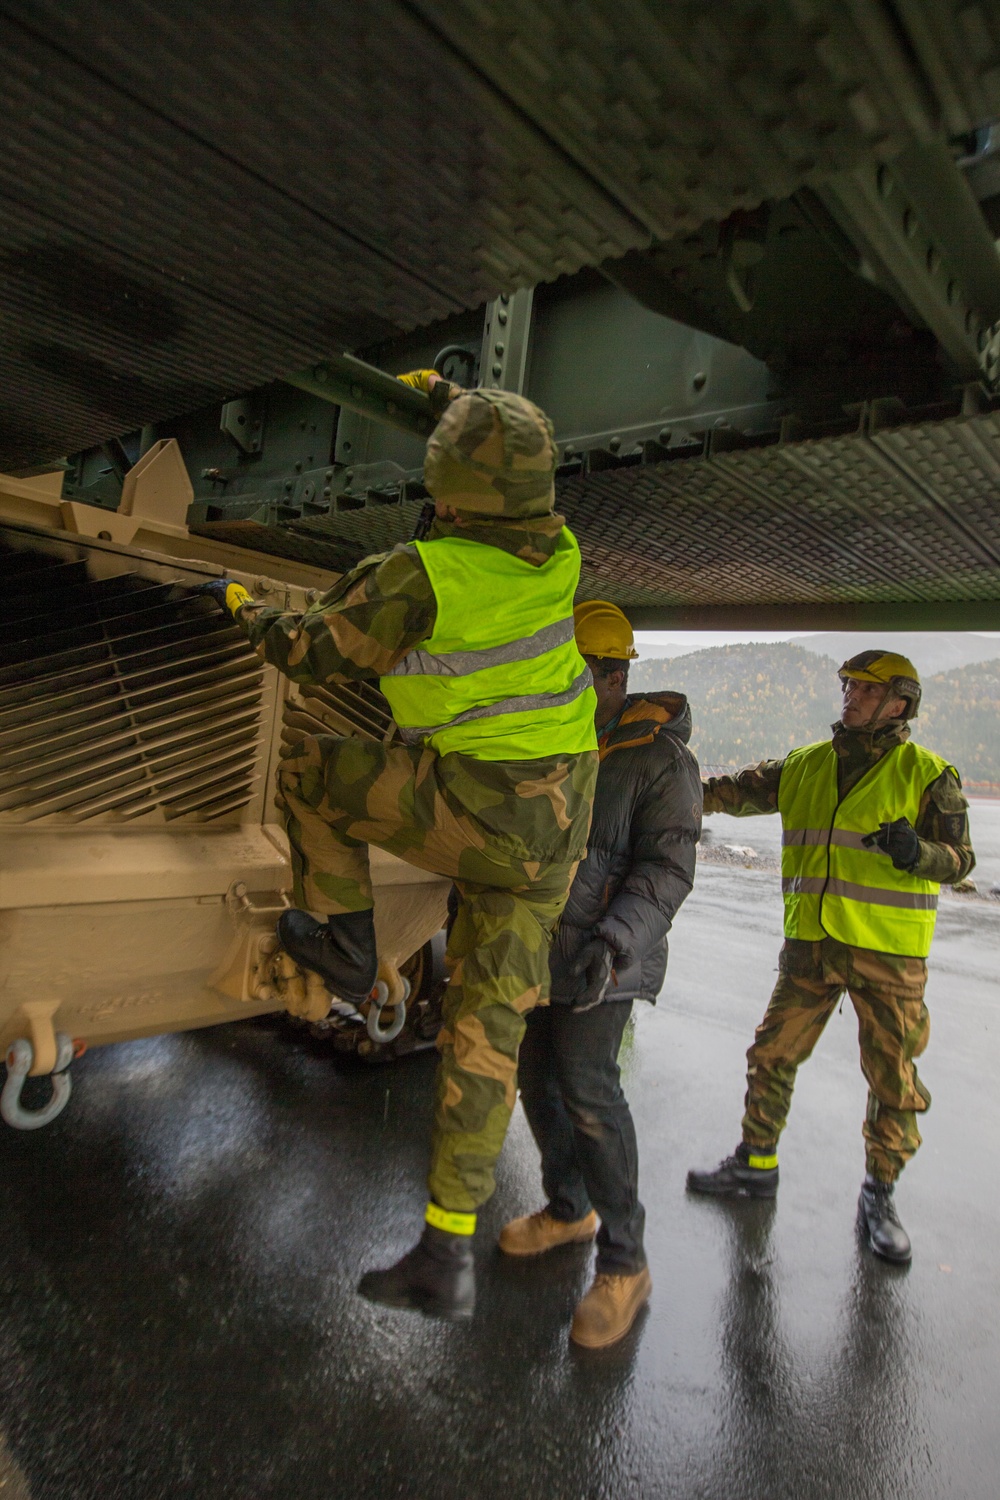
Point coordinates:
pixel 697 640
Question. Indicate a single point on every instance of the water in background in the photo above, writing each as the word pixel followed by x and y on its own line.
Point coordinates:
pixel 764 835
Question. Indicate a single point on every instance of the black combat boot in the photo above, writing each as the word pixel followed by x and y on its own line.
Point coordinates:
pixel 437 1277
pixel 878 1219
pixel 739 1176
pixel 340 950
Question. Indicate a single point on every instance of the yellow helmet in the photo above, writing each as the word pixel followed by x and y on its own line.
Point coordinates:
pixel 897 672
pixel 602 630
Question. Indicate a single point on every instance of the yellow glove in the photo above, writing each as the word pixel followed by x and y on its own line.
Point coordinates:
pixel 438 390
pixel 236 597
pixel 420 380
pixel 226 593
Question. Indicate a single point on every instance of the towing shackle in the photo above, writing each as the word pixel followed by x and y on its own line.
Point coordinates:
pixel 20 1057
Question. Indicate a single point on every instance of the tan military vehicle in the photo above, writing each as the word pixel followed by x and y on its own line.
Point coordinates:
pixel 744 256
pixel 142 863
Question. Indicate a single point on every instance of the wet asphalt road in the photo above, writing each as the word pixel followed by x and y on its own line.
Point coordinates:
pixel 178 1255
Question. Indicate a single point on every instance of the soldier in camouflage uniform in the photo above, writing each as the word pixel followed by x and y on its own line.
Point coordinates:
pixel 496 795
pixel 832 901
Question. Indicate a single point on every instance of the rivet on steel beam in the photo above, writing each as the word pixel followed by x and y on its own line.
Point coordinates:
pixel 498 348
pixel 664 435
pixel 505 298
pixel 614 444
pixel 501 316
pixel 498 369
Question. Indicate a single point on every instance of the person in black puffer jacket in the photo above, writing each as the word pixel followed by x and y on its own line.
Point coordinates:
pixel 610 949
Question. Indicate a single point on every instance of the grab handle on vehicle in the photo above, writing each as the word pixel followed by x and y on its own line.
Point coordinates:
pixel 20 1056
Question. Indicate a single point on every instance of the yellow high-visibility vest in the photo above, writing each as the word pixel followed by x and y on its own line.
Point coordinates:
pixel 499 677
pixel 833 886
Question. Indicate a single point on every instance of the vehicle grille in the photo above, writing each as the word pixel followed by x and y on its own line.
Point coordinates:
pixel 121 698
pixel 356 708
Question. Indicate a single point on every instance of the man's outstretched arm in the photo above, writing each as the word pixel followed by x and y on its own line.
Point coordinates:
pixel 358 629
pixel 753 790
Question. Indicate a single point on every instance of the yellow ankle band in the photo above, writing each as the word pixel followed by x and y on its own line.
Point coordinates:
pixel 762 1163
pixel 440 1218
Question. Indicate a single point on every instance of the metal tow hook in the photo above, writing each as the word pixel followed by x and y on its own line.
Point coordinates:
pixel 20 1056
pixel 379 1001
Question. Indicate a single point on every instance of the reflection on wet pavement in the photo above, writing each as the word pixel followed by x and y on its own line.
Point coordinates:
pixel 178 1255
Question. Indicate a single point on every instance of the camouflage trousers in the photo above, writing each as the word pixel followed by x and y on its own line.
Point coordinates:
pixel 887 992
pixel 339 796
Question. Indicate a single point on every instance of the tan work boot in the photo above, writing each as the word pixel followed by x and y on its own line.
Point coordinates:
pixel 536 1233
pixel 609 1309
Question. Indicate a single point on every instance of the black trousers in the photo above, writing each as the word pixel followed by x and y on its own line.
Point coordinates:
pixel 572 1095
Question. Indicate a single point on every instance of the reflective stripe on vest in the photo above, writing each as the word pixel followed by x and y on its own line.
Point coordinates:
pixel 500 677
pixel 833 885
pixel 527 704
pixel 793 836
pixel 462 663
pixel 797 885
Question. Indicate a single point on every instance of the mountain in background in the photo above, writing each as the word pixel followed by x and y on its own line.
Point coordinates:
pixel 960 719
pixel 756 702
pixel 748 702
pixel 930 651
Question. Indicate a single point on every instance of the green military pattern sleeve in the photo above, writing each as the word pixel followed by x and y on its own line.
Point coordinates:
pixel 946 853
pixel 359 629
pixel 750 791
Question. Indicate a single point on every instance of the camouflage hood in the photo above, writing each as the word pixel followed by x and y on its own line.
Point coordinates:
pixel 494 454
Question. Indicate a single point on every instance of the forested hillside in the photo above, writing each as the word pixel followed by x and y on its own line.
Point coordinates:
pixel 960 719
pixel 754 701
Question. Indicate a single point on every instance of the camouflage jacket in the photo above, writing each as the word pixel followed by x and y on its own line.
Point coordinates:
pixel 383 608
pixel 379 611
pixel 942 825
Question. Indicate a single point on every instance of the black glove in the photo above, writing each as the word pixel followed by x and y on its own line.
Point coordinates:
pixel 219 590
pixel 898 840
pixel 591 970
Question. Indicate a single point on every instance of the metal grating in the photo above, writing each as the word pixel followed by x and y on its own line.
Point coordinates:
pixel 880 514
pixel 686 111
pixel 910 513
pixel 196 199
pixel 957 45
pixel 356 708
pixel 216 177
pixel 121 699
